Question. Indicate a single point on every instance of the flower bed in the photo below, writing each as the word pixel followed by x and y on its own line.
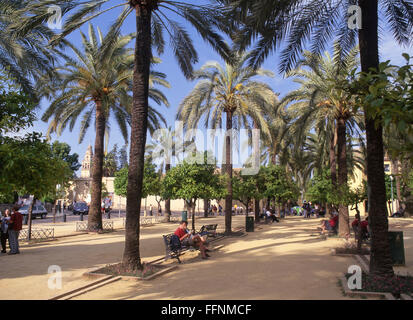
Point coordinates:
pixel 392 284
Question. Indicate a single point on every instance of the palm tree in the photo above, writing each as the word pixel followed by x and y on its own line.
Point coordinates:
pixel 152 17
pixel 163 148
pixel 228 89
pixel 24 54
pixel 271 22
pixel 97 84
pixel 319 104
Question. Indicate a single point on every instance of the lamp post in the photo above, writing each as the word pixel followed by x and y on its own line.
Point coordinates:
pixel 391 187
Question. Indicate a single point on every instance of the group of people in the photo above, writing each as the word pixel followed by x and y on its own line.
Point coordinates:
pixel 308 210
pixel 269 215
pixel 357 225
pixel 11 224
pixel 236 210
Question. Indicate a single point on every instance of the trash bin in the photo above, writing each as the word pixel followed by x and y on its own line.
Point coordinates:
pixel 397 248
pixel 249 224
pixel 184 215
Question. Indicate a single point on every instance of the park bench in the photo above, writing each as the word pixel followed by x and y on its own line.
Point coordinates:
pixel 173 251
pixel 209 230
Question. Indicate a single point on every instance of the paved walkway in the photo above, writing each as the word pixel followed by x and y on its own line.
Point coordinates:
pixel 279 261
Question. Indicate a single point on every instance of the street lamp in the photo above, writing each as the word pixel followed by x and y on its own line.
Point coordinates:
pixel 391 187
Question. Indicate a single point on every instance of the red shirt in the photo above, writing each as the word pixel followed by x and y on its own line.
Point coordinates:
pixel 355 223
pixel 17 220
pixel 180 233
pixel 364 225
pixel 333 221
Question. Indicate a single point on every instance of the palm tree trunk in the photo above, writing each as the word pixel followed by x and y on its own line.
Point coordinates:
pixel 193 207
pixel 228 171
pixel 257 210
pixel 206 208
pixel 380 258
pixel 333 166
pixel 143 53
pixel 95 212
pixel 167 201
pixel 343 224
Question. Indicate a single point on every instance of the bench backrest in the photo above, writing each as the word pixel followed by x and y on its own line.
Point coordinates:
pixel 172 242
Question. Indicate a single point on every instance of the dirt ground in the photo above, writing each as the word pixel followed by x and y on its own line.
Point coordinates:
pixel 278 261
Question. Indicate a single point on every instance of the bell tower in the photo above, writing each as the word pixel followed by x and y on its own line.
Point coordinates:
pixel 86 171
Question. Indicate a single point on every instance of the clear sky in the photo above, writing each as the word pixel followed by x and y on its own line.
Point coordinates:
pixel 180 87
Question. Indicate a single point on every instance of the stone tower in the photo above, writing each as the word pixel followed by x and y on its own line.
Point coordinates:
pixel 86 171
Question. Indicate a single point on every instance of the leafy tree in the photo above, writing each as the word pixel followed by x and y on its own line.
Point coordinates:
pixel 320 187
pixel 191 181
pixel 110 162
pixel 28 166
pixel 278 185
pixel 151 183
pixel 123 158
pixel 121 182
pixel 244 188
pixel 61 150
pixel 16 106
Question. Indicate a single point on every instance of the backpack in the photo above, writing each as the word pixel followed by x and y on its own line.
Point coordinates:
pixel 175 243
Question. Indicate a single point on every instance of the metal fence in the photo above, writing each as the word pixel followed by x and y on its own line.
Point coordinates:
pixel 37 234
pixel 83 225
pixel 153 220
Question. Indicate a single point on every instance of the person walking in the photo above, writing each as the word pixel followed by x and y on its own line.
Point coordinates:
pixel 4 230
pixel 150 210
pixel 15 225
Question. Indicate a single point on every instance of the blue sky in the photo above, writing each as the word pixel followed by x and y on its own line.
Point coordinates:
pixel 180 87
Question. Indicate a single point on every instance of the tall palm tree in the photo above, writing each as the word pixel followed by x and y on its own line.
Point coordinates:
pixel 231 90
pixel 161 150
pixel 319 104
pixel 97 84
pixel 153 19
pixel 296 21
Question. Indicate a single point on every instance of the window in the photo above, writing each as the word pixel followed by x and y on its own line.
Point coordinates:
pixel 386 168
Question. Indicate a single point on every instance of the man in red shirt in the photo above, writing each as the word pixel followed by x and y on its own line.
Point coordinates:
pixel 330 225
pixel 15 225
pixel 189 239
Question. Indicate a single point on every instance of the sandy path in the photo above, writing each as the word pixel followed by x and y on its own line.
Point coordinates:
pixel 279 261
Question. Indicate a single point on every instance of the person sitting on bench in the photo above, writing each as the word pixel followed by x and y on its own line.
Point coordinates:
pixel 271 216
pixel 356 224
pixel 188 239
pixel 330 225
